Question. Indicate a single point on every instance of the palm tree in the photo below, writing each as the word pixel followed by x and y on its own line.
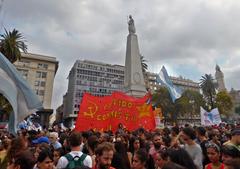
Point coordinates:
pixel 5 107
pixel 11 45
pixel 208 88
pixel 144 64
pixel 144 70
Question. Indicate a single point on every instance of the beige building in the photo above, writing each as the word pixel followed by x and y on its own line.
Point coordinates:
pixel 180 82
pixel 185 84
pixel 39 71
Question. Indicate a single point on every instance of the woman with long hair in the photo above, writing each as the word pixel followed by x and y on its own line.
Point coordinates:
pixel 45 160
pixel 24 160
pixel 120 158
pixel 181 157
pixel 135 144
pixel 161 159
pixel 140 159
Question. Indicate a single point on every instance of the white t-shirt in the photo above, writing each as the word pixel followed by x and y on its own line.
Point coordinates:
pixel 63 162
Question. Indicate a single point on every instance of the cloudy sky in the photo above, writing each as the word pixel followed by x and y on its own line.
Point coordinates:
pixel 187 36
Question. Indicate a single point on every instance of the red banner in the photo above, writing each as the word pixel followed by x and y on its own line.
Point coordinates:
pixel 105 113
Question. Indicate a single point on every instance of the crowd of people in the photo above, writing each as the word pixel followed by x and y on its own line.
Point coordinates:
pixel 215 147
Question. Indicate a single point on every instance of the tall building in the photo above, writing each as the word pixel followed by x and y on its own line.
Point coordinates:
pixel 39 71
pixel 179 82
pixel 219 76
pixel 97 78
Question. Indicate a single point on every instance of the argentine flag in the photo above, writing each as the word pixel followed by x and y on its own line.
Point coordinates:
pixel 18 92
pixel 165 80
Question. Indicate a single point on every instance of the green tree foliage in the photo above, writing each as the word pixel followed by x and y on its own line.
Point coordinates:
pixel 5 106
pixel 11 45
pixel 144 64
pixel 144 68
pixel 224 102
pixel 161 98
pixel 190 101
pixel 208 88
pixel 237 110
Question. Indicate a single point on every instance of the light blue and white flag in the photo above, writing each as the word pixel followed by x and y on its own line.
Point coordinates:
pixel 18 92
pixel 165 80
pixel 210 118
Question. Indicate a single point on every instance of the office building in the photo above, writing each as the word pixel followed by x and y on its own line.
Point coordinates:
pixel 99 79
pixel 39 71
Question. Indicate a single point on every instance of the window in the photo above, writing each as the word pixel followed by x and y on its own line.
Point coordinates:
pixel 45 66
pixel 24 63
pixel 42 66
pixel 38 74
pixel 41 92
pixel 36 83
pixel 44 74
pixel 41 74
pixel 43 84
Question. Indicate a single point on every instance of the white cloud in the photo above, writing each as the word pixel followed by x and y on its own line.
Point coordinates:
pixel 176 33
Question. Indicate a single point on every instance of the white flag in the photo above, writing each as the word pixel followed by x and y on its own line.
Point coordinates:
pixel 18 92
pixel 165 80
pixel 210 118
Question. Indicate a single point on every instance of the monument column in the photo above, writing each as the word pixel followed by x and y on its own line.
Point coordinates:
pixel 220 79
pixel 133 78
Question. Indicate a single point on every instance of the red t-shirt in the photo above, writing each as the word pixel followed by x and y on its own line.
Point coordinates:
pixel 209 166
pixel 95 167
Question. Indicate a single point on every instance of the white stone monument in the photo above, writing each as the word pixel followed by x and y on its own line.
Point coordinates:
pixel 133 80
pixel 219 76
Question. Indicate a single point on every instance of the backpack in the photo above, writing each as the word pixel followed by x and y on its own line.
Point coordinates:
pixel 76 161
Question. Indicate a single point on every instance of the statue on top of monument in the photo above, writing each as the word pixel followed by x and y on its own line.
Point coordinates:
pixel 131 27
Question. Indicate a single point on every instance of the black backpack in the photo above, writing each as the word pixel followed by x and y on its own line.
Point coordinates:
pixel 76 161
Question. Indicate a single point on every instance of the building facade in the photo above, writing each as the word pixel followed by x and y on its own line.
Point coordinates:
pixel 180 82
pixel 39 71
pixel 97 78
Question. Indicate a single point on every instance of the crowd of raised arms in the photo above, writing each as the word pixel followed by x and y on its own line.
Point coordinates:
pixel 215 147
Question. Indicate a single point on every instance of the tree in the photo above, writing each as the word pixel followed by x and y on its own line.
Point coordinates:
pixel 224 102
pixel 208 88
pixel 144 69
pixel 11 45
pixel 237 110
pixel 5 107
pixel 183 106
pixel 161 98
pixel 189 103
pixel 196 98
pixel 144 64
